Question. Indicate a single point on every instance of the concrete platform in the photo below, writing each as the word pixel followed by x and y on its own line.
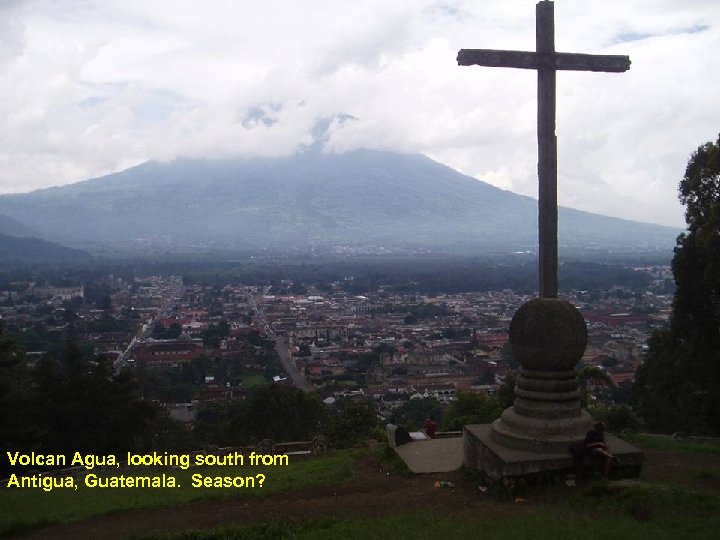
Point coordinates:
pixel 432 455
pixel 482 452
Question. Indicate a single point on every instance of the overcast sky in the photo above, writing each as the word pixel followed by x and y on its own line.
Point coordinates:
pixel 90 87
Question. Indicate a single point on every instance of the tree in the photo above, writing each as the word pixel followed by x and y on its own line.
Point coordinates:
pixel 412 414
pixel 506 393
pixel 507 354
pixel 353 421
pixel 610 361
pixel 616 417
pixel 15 387
pixel 368 360
pixel 278 412
pixel 470 408
pixel 174 331
pixel 410 319
pixel 78 403
pixel 384 348
pixel 678 387
pixel 298 288
pixel 589 377
pixel 104 302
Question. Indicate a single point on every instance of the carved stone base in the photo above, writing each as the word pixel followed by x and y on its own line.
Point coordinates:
pixel 546 416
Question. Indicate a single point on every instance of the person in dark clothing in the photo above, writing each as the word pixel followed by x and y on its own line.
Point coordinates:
pixel 398 434
pixel 595 445
pixel 402 436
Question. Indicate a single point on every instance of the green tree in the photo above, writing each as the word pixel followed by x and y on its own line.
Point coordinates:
pixel 279 412
pixel 213 424
pixel 80 404
pixel 368 360
pixel 506 393
pixel 610 361
pixel 591 376
pixel 353 421
pixel 196 370
pixel 104 302
pixel 470 408
pixel 298 288
pixel 616 417
pixel 174 331
pixel 410 319
pixel 678 386
pixel 15 397
pixel 508 355
pixel 414 412
pixel 384 348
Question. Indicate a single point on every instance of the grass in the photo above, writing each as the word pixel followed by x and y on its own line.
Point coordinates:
pixel 639 512
pixel 389 458
pixel 668 443
pixel 704 475
pixel 249 381
pixel 28 508
pixel 615 517
pixel 598 510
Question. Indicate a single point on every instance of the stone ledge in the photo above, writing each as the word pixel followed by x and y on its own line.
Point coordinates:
pixel 482 452
pixel 432 455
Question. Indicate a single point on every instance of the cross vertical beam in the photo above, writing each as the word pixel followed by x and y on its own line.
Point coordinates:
pixel 546 61
pixel 547 151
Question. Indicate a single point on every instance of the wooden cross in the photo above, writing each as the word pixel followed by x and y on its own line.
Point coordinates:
pixel 546 61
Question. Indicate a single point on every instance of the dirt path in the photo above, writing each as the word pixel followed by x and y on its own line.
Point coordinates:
pixel 371 493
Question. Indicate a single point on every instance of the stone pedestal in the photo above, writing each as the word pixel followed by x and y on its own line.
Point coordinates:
pixel 546 415
pixel 480 451
pixel 548 338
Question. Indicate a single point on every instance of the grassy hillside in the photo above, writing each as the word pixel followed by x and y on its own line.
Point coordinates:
pixel 29 508
pixel 360 495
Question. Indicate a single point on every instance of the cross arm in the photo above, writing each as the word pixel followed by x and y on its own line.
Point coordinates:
pixel 533 60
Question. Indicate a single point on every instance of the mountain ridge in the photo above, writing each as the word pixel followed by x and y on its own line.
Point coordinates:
pixel 23 250
pixel 360 197
pixel 13 227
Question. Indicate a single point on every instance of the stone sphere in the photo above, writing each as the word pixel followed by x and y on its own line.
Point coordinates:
pixel 548 334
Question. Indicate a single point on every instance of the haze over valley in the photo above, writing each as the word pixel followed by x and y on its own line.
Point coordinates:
pixel 359 200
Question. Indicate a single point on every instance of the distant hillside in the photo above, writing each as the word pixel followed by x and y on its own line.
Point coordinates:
pixel 312 199
pixel 13 227
pixel 32 250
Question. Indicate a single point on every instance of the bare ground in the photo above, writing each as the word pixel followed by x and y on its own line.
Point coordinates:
pixel 372 492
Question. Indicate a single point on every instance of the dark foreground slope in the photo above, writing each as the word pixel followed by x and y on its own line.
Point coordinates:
pixel 677 496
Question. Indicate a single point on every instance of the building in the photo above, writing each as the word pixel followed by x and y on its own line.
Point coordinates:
pixel 168 352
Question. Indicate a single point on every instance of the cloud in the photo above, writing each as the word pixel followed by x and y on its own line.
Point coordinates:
pixel 12 33
pixel 628 36
pixel 91 87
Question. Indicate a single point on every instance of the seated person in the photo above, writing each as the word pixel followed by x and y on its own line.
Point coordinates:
pixel 402 436
pixel 397 435
pixel 595 445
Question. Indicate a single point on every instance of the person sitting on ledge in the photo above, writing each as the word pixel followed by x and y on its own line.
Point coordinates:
pixel 595 445
pixel 397 435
